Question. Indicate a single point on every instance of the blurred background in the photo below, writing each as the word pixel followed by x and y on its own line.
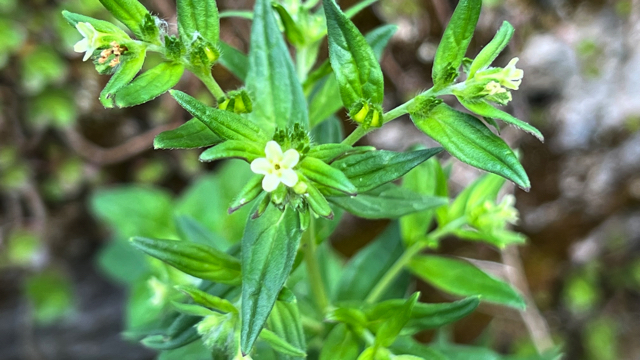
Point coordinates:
pixel 75 178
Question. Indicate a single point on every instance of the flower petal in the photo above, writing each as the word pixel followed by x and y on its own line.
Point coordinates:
pixel 273 151
pixel 290 159
pixel 270 182
pixel 261 166
pixel 288 177
pixel 81 46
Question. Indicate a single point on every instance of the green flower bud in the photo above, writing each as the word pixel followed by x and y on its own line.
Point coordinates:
pixel 366 114
pixel 237 101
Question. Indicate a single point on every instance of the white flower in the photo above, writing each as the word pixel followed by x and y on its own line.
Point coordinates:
pixel 89 42
pixel 512 77
pixel 276 167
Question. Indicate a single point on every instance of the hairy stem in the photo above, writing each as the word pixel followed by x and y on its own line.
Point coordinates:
pixel 211 84
pixel 313 268
pixel 409 253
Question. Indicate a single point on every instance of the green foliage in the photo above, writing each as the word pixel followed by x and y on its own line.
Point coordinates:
pixel 229 281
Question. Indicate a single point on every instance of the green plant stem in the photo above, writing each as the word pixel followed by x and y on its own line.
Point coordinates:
pixel 211 84
pixel 360 131
pixel 313 268
pixel 394 271
pixel 408 254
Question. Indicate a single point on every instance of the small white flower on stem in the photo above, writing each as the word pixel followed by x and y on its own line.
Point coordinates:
pixel 512 76
pixel 277 167
pixel 89 42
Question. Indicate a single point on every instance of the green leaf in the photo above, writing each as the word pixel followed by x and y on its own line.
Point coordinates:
pixel 455 42
pixel 461 278
pixel 328 131
pixel 100 25
pixel 410 346
pixel 233 149
pixel 340 344
pixel 208 300
pixel 488 111
pixel 127 70
pixel 190 135
pixel 198 17
pixel 149 85
pixel 192 309
pixel 234 60
pixel 286 322
pixel 318 203
pixel 318 171
pixel 201 261
pixel 135 210
pixel 425 179
pixel 50 296
pixel 191 230
pixel 352 59
pixel 371 169
pixel 368 266
pixel 280 345
pixel 330 152
pixel 390 329
pixel 291 29
pixel 278 100
pixel 129 12
pixel 425 316
pixel 492 50
pixel 387 202
pixel 225 124
pixel 269 247
pixel 486 188
pixel 469 140
pixel 379 37
pixel 323 102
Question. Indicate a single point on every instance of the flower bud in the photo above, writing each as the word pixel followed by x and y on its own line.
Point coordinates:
pixel 366 114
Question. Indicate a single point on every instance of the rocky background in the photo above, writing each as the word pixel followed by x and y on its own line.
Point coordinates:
pixel 580 268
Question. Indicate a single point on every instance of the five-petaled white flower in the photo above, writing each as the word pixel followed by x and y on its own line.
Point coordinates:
pixel 89 42
pixel 276 167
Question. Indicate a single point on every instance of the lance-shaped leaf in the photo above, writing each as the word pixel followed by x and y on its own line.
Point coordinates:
pixel 233 149
pixel 391 328
pixel 129 12
pixel 330 152
pixel 352 59
pixel 269 247
pixel 280 345
pixel 426 179
pixel 469 140
pixel 317 202
pixel 425 316
pixel 340 344
pixel 234 60
pixel 149 85
pixel 198 17
pixel 100 25
pixel 190 135
pixel 369 170
pixel 488 111
pixel 387 202
pixel 291 29
pixel 271 80
pixel 318 171
pixel 251 191
pixel 410 346
pixel 323 102
pixel 127 70
pixel 225 124
pixel 492 50
pixel 461 278
pixel 455 42
pixel 204 262
pixel 286 322
pixel 192 309
pixel 208 300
